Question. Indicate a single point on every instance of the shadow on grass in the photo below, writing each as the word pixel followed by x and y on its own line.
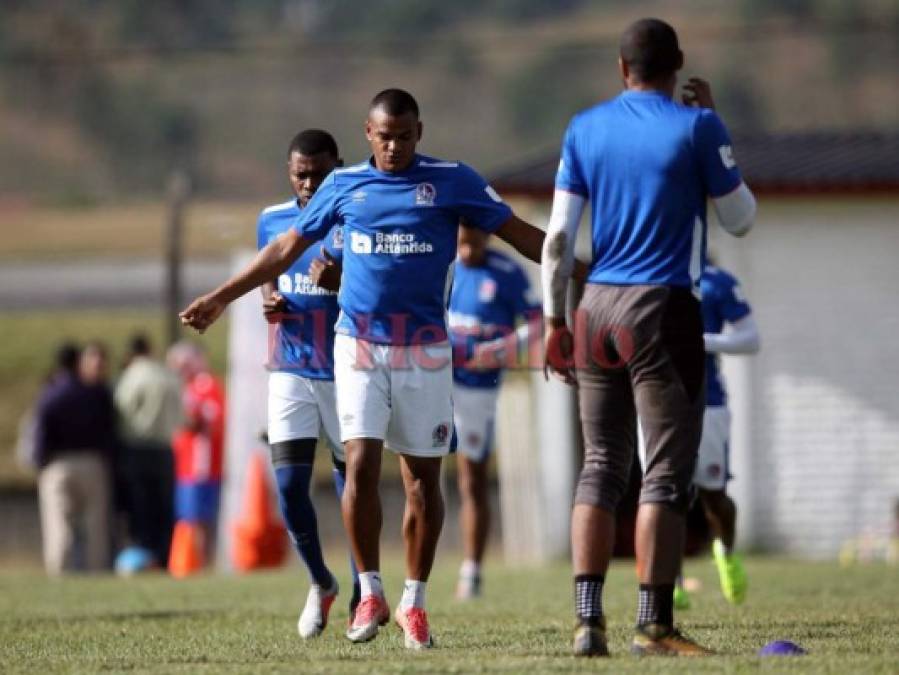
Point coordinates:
pixel 120 616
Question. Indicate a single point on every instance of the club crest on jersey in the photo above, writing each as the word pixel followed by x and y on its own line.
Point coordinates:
pixel 425 194
pixel 487 290
pixel 441 433
pixel 338 237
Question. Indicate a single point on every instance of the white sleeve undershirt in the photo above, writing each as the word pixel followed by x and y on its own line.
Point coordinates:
pixel 736 210
pixel 740 337
pixel 557 260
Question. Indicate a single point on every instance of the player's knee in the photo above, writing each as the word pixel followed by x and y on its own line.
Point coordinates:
pixel 473 481
pixel 671 494
pixel 293 452
pixel 362 475
pixel 423 494
pixel 599 487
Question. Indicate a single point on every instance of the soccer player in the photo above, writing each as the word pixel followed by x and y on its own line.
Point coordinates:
pixel 647 164
pixel 490 294
pixel 723 304
pixel 301 400
pixel 400 212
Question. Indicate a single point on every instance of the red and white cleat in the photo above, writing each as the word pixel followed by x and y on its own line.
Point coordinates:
pixel 414 623
pixel 371 613
pixel 314 616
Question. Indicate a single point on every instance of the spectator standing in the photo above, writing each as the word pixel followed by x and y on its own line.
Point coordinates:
pixel 199 442
pixel 148 399
pixel 74 442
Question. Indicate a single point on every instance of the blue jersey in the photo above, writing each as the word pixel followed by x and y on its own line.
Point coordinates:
pixel 722 302
pixel 303 343
pixel 400 230
pixel 647 164
pixel 484 305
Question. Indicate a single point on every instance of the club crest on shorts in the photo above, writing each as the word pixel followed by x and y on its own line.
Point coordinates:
pixel 425 194
pixel 713 470
pixel 440 434
pixel 487 290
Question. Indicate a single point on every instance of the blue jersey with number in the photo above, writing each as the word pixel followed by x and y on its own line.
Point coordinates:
pixel 303 343
pixel 722 302
pixel 647 164
pixel 400 231
pixel 485 304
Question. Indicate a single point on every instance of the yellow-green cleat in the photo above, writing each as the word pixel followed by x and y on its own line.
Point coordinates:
pixel 681 598
pixel 657 640
pixel 731 573
pixel 590 638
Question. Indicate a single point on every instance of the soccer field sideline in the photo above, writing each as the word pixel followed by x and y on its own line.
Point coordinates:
pixel 848 620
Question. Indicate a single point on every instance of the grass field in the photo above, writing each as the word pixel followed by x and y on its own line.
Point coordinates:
pixel 848 620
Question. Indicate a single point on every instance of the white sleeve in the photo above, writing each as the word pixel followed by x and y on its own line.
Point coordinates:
pixel 557 260
pixel 736 210
pixel 520 336
pixel 741 337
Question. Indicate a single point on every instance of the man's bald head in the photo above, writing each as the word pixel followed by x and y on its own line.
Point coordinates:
pixel 650 50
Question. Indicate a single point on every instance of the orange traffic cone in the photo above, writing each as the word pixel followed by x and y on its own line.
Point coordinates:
pixel 260 539
pixel 186 556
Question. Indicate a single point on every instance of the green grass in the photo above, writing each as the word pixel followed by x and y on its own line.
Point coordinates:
pixel 30 340
pixel 847 619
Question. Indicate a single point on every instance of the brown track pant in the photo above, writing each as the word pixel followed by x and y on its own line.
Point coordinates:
pixel 639 352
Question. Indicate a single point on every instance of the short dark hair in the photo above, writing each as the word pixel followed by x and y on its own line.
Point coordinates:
pixel 395 102
pixel 313 142
pixel 139 345
pixel 650 49
pixel 67 355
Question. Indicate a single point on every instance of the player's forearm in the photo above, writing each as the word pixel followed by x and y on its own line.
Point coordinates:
pixel 515 339
pixel 557 261
pixel 741 338
pixel 523 237
pixel 269 262
pixel 736 210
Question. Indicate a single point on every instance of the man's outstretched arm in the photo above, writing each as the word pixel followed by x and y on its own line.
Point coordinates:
pixel 271 261
pixel 529 241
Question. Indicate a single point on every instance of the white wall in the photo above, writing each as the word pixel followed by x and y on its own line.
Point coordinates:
pixel 816 434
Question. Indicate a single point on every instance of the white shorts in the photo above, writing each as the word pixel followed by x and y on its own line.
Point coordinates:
pixel 300 407
pixel 474 414
pixel 401 395
pixel 712 464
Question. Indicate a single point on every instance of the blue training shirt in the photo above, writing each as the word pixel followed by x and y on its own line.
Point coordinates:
pixel 484 305
pixel 400 231
pixel 647 164
pixel 722 302
pixel 303 343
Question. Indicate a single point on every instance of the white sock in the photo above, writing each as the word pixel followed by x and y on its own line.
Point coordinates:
pixel 413 594
pixel 370 583
pixel 470 569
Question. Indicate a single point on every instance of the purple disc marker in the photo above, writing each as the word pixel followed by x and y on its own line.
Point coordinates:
pixel 781 648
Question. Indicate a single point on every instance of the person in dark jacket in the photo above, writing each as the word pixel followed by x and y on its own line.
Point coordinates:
pixel 74 444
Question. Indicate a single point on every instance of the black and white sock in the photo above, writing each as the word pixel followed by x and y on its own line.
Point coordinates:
pixel 656 605
pixel 588 596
